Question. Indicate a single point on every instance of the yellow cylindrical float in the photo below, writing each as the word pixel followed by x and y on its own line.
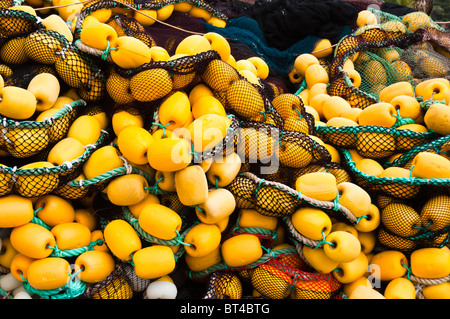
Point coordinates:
pixel 154 261
pixel 122 239
pixel 15 211
pixel 33 240
pixel 160 221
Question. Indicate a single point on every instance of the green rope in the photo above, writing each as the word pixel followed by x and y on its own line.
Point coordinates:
pixel 4 293
pixel 39 221
pixel 197 155
pixel 179 239
pixel 196 207
pixel 323 242
pixel 152 239
pixel 280 138
pixel 74 288
pixel 302 87
pixel 74 252
pixel 300 116
pixel 397 180
pixel 217 185
pixel 154 189
pixel 105 53
pixel 408 271
pixel 401 120
pixel 336 201
pixel 259 186
pixel 223 266
pixel 163 126
pixel 268 251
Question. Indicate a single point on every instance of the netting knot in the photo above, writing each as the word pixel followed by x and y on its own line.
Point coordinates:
pixel 163 126
pixel 105 53
pixel 154 189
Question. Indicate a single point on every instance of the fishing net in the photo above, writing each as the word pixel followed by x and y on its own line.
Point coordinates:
pixel 400 187
pixel 33 182
pixel 374 141
pixel 407 226
pixel 279 200
pixel 74 67
pixel 283 276
pixel 23 139
pixel 78 188
pixel 118 285
pixel 388 53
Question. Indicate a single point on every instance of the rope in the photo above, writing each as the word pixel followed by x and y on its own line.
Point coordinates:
pixel 176 241
pixel 74 252
pixel 105 54
pixel 296 194
pixel 163 126
pixel 299 237
pixel 74 288
pixel 271 254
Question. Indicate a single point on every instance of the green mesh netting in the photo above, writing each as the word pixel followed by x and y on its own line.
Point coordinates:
pixel 23 139
pixel 374 141
pixel 34 182
pixel 400 187
pixel 386 55
pixel 76 189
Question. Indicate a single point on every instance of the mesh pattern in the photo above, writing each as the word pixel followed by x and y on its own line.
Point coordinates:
pixel 76 68
pixel 397 187
pixel 12 51
pixel 34 182
pixel 422 222
pixel 276 199
pixel 279 279
pixel 130 27
pixel 400 187
pixel 136 283
pixel 378 69
pixel 373 141
pixel 93 6
pixel 115 286
pixel 27 138
pixel 21 75
pixel 224 285
pixel 339 172
pixel 14 23
pixel 73 189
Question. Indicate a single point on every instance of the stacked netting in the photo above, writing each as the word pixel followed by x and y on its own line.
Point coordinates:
pixel 390 138
pixel 163 159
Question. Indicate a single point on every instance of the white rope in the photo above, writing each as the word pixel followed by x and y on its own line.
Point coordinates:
pixel 128 166
pixel 429 281
pixel 68 164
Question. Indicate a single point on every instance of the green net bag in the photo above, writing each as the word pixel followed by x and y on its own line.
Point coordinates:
pixel 16 23
pixel 408 226
pixel 388 53
pixel 374 141
pixel 74 68
pixel 75 188
pixel 22 139
pixel 405 186
pixel 37 181
pixel 266 237
pixel 276 199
